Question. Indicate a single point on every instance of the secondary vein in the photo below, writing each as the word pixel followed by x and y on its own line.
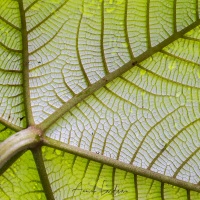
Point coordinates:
pixel 25 62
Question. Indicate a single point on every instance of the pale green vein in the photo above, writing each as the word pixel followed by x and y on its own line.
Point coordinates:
pixel 25 62
pixel 149 132
pixel 51 39
pixel 123 140
pixel 17 95
pixel 39 86
pixel 102 39
pixel 174 17
pixel 10 49
pixel 190 38
pixel 9 181
pixel 34 192
pixel 108 108
pixel 31 5
pixel 179 58
pixel 4 192
pixel 170 141
pixel 52 13
pixel 58 97
pixel 10 24
pixel 68 88
pixel 70 133
pixel 185 162
pixel 164 78
pixel 80 138
pixel 10 70
pixel 140 88
pixel 125 101
pixel 117 164
pixel 43 64
pixel 126 30
pixel 14 85
pixel 78 52
pixel 94 131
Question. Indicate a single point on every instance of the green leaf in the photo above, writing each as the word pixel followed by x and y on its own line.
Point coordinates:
pixel 99 99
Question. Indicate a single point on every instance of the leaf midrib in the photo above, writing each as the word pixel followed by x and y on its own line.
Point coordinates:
pixel 111 76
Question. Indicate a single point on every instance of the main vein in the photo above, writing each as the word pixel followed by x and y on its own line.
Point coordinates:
pixel 25 62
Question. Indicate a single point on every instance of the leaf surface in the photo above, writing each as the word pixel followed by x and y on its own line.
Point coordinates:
pixel 114 88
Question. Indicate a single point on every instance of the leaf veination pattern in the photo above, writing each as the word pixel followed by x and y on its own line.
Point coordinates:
pixel 93 175
pixel 4 132
pixel 52 52
pixel 21 180
pixel 11 90
pixel 149 116
pixel 105 34
pixel 63 51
